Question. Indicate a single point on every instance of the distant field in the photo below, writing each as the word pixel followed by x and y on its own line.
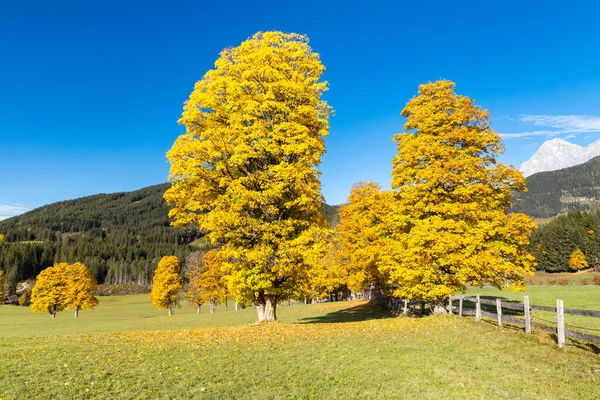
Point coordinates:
pixel 575 278
pixel 344 350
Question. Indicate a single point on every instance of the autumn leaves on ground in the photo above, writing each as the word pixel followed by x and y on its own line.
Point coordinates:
pixel 246 175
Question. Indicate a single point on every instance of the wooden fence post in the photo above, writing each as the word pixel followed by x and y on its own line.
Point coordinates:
pixel 477 310
pixel 499 311
pixel 460 300
pixel 560 323
pixel 450 304
pixel 405 306
pixel 527 314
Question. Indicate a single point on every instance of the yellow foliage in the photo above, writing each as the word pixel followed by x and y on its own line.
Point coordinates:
pixel 2 237
pixel 49 295
pixel 359 233
pixel 245 172
pixel 449 226
pixel 577 260
pixel 64 286
pixel 81 286
pixel 166 283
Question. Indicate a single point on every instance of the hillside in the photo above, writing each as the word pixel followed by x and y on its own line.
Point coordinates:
pixel 553 192
pixel 120 236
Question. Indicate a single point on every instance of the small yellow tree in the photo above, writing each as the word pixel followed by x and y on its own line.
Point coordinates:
pixel 577 260
pixel 194 268
pixel 49 293
pixel 1 238
pixel 360 231
pixel 211 284
pixel 80 288
pixel 166 284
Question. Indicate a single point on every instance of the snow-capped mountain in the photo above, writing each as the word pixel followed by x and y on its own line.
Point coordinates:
pixel 558 154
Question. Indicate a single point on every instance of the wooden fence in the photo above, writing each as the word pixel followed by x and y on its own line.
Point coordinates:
pixel 519 314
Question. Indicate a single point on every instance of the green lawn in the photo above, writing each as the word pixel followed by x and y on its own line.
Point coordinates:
pixel 580 297
pixel 127 350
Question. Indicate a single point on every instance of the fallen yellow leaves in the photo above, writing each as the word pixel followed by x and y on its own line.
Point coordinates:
pixel 273 333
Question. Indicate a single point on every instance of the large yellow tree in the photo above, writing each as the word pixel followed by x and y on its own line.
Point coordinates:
pixel 245 172
pixel 449 225
pixel 166 284
pixel 80 287
pixel 49 295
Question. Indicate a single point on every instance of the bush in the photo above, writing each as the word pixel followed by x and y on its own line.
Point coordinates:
pixel 552 282
pixel 585 281
pixel 25 298
pixel 596 280
pixel 529 282
pixel 563 281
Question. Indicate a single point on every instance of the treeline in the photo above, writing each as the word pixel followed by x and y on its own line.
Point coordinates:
pixel 120 237
pixel 552 244
pixel 546 188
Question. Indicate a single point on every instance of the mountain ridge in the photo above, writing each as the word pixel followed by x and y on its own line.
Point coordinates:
pixel 556 154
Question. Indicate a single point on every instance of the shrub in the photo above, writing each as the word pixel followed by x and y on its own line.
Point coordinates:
pixel 552 282
pixel 563 281
pixel 585 281
pixel 596 280
pixel 529 282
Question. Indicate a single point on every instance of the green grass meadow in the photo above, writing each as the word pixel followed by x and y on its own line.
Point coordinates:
pixel 125 349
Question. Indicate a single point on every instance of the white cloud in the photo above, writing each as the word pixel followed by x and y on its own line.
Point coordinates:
pixel 559 125
pixel 10 210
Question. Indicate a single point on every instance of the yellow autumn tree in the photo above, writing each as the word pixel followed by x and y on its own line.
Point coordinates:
pixel 359 232
pixel 210 283
pixel 577 260
pixel 1 238
pixel 166 284
pixel 80 287
pixel 245 172
pixel 49 295
pixel 449 223
pixel 194 267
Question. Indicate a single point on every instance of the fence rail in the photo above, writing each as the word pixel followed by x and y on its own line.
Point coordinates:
pixel 525 320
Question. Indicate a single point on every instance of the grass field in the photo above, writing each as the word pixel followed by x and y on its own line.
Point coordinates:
pixel 127 350
pixel 580 297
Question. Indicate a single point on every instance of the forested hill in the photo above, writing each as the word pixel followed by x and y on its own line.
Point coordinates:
pixel 550 193
pixel 120 236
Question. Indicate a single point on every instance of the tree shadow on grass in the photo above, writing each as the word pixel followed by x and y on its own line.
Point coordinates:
pixel 362 312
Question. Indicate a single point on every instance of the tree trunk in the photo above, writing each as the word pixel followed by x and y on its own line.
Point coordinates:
pixel 76 312
pixel 226 306
pixel 170 310
pixel 198 309
pixel 52 314
pixel 266 308
pixel 212 306
pixel 236 306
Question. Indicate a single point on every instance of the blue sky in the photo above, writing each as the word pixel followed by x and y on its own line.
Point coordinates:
pixel 90 92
